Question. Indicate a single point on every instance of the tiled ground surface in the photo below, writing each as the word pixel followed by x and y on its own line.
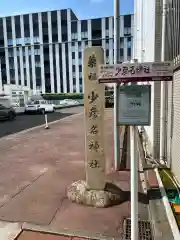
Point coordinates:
pixel 37 167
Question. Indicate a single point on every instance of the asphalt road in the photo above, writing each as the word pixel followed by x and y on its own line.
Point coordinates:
pixel 23 122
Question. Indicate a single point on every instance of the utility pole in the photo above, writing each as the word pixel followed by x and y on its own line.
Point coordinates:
pixel 163 89
pixel 116 87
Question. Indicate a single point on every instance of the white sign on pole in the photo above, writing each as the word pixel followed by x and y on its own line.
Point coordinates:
pixel 151 71
pixel 135 105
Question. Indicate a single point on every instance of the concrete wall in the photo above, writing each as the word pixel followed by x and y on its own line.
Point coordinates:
pixel 174 125
pixel 13 91
pixel 144 30
pixel 147 48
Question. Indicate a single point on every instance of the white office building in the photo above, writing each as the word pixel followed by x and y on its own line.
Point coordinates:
pixel 44 51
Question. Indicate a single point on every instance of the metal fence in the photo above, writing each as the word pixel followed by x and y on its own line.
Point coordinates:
pixel 172 43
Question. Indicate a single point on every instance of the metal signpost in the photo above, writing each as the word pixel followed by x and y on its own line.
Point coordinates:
pixel 134 105
pixel 135 110
pixel 136 72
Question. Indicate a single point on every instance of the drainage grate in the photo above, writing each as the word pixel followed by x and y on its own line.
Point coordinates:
pixel 144 230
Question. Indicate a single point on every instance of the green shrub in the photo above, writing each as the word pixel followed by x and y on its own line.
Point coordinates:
pixel 61 96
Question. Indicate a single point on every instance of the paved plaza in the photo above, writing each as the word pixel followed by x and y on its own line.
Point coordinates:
pixel 36 168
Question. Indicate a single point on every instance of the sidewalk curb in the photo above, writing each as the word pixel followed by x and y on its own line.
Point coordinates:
pixel 72 106
pixel 9 230
pixel 39 126
pixel 169 213
pixel 12 230
pixel 65 232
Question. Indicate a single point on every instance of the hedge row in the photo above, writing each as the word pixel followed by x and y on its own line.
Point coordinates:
pixel 61 96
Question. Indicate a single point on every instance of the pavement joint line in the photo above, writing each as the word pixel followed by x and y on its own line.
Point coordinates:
pixel 58 208
pixel 38 127
pixel 22 189
pixel 64 232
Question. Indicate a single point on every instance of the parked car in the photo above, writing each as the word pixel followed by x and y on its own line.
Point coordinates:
pixel 109 101
pixel 39 106
pixel 7 113
pixel 68 102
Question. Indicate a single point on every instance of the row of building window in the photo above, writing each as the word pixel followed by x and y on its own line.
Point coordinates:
pixel 38 63
pixel 37 53
pixel 23 41
pixel 74 36
pixel 108 44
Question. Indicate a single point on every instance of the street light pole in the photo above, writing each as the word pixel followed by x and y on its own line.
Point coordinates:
pixel 116 87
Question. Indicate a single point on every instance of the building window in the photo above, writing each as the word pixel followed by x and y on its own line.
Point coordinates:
pixel 121 42
pixel 17 52
pixel 11 65
pixel 80 68
pixel 107 32
pixel 74 36
pixel 11 53
pixel 19 41
pixel 36 39
pixel 107 60
pixel 36 51
pixel 129 52
pixel 84 35
pixel 73 49
pixel 80 55
pixel 38 64
pixel 129 42
pixel 73 55
pixel 121 52
pixel 27 40
pixel 10 42
pixel 73 68
pixel 107 53
pixel 127 21
pixel 107 22
pixel 127 31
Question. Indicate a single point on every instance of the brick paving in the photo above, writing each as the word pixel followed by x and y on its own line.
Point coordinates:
pixel 37 167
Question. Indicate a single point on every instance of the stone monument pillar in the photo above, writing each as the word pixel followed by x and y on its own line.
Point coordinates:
pixel 94 104
pixel 94 191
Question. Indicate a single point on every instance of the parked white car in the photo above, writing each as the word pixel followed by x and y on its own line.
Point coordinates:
pixel 39 106
pixel 68 102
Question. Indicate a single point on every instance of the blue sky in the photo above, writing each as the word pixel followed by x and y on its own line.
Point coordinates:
pixel 82 8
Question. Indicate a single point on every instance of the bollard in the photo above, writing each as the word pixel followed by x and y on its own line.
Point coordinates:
pixel 46 122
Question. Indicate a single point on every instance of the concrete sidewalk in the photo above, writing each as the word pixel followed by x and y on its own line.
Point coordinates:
pixel 37 167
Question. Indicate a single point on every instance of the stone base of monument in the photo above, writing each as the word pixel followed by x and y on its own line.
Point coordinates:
pixel 111 195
